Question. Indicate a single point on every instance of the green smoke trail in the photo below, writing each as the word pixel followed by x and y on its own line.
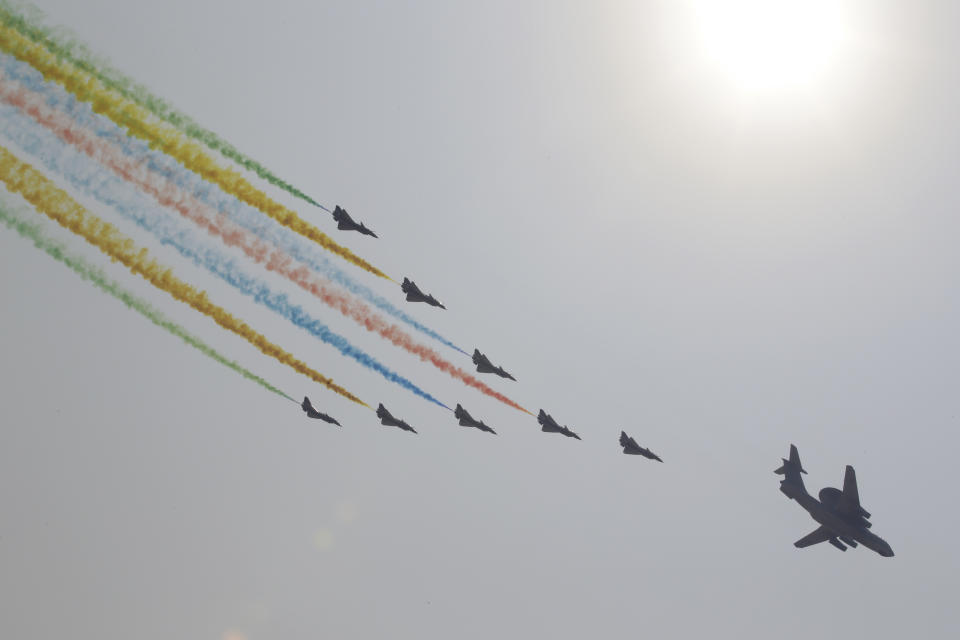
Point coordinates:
pixel 76 53
pixel 34 232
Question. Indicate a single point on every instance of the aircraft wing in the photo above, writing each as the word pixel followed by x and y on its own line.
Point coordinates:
pixel 849 504
pixel 815 537
pixel 547 421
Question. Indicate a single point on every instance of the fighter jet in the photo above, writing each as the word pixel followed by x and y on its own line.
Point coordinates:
pixel 415 295
pixel 484 365
pixel 467 421
pixel 630 447
pixel 550 426
pixel 313 413
pixel 390 421
pixel 346 223
pixel 842 520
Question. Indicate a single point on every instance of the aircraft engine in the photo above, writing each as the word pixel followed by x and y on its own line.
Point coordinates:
pixel 830 497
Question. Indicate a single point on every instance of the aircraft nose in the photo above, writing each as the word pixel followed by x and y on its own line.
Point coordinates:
pixel 886 551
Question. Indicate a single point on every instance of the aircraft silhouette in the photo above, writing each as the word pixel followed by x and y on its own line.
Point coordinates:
pixel 484 365
pixel 345 222
pixel 390 421
pixel 415 295
pixel 313 413
pixel 842 519
pixel 467 421
pixel 550 426
pixel 630 447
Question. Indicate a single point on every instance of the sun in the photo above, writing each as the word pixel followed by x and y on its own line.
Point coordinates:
pixel 772 46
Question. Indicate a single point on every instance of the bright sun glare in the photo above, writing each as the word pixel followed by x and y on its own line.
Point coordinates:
pixel 772 46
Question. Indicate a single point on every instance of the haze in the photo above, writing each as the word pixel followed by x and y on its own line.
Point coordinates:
pixel 642 245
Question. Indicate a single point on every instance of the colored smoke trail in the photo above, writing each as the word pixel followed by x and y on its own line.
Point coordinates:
pixel 80 57
pixel 137 121
pixel 244 215
pixel 95 182
pixel 22 178
pixel 87 271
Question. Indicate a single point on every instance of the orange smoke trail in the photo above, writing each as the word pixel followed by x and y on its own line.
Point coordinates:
pixel 275 259
pixel 22 178
pixel 140 124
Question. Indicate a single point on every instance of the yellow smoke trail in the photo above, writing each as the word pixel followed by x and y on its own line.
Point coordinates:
pixel 141 124
pixel 43 194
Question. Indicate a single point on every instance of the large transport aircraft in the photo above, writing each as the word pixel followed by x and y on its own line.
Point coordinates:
pixel 843 522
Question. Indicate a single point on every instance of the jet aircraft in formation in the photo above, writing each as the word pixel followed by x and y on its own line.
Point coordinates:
pixel 467 421
pixel 313 413
pixel 388 420
pixel 842 520
pixel 346 223
pixel 630 447
pixel 485 366
pixel 550 425
pixel 415 295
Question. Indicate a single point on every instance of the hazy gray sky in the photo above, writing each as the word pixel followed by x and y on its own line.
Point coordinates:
pixel 641 244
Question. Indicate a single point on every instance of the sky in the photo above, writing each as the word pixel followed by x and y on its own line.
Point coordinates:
pixel 644 243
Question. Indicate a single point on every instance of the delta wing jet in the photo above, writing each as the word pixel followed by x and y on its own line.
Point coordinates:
pixel 346 223
pixel 485 366
pixel 313 413
pixel 630 447
pixel 390 421
pixel 550 425
pixel 467 421
pixel 415 295
pixel 843 522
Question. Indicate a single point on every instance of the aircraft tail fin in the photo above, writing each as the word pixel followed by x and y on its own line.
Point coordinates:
pixel 791 469
pixel 792 465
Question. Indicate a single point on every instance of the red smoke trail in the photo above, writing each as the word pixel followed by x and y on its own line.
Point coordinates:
pixel 170 195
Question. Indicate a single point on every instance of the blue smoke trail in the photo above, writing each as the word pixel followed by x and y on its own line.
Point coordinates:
pixel 210 194
pixel 93 180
